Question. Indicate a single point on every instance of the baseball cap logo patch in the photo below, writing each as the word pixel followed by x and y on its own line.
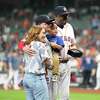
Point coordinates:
pixel 64 9
pixel 61 10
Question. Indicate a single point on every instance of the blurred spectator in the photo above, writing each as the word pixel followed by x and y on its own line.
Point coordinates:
pixel 24 25
pixel 2 43
pixel 98 42
pixel 3 61
pixel 95 22
pixel 13 62
pixel 88 64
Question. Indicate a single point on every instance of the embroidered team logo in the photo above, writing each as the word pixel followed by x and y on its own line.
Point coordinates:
pixel 64 9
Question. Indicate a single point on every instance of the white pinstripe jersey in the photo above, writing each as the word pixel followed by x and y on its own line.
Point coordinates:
pixel 67 34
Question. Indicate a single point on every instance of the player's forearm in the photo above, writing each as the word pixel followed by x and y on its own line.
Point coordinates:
pixel 56 46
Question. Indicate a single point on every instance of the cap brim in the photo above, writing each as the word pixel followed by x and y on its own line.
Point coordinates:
pixel 50 21
pixel 64 13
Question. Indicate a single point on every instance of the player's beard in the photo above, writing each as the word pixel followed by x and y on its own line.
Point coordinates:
pixel 62 23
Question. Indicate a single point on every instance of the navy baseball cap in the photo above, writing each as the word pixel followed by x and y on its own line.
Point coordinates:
pixel 43 19
pixel 61 10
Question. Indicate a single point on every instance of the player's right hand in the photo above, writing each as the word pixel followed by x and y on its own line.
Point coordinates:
pixel 29 51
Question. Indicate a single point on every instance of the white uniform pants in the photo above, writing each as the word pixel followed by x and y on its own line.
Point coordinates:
pixel 64 81
pixel 98 77
pixel 59 88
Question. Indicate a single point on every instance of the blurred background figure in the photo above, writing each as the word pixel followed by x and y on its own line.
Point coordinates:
pixel 3 61
pixel 13 73
pixel 98 72
pixel 95 22
pixel 88 64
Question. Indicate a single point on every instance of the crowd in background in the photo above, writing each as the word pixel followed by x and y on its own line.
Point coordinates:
pixel 13 28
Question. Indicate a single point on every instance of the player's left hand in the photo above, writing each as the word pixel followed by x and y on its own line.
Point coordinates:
pixel 75 53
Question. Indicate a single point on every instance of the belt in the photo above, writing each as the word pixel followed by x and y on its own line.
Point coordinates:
pixel 64 61
pixel 35 74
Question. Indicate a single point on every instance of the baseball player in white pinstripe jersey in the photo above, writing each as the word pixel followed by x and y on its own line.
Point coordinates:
pixel 65 30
